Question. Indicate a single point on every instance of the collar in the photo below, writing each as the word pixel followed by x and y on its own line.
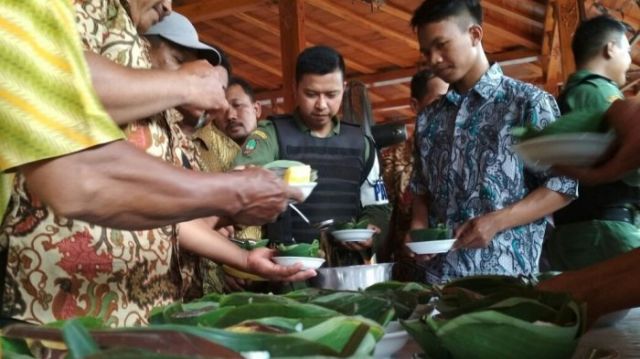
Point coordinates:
pixel 305 129
pixel 485 87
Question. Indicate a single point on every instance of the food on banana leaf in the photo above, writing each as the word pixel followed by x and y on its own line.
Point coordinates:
pixel 300 249
pixel 431 234
pixel 573 122
pixel 281 169
pixel 405 296
pixel 353 224
pixel 498 317
pixel 378 309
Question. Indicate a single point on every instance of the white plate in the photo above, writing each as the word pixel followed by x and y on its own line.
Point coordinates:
pixel 431 247
pixel 307 262
pixel 306 188
pixel 572 149
pixel 353 235
pixel 391 343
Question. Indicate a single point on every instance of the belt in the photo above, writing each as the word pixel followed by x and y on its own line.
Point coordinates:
pixel 617 214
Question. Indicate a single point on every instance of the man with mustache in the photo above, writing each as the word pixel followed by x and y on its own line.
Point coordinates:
pixel 349 180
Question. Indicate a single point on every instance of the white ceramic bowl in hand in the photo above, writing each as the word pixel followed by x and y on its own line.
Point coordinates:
pixel 307 262
pixel 353 235
pixel 431 247
pixel 571 149
pixel 305 188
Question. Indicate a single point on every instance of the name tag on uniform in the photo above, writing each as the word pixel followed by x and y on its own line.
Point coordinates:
pixel 373 193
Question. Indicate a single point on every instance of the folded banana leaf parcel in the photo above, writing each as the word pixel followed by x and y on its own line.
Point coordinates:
pixel 498 317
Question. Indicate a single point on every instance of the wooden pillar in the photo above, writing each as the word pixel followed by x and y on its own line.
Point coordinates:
pixel 567 17
pixel 292 42
pixel 551 57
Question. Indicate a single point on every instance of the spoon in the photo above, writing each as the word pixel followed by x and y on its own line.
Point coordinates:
pixel 320 225
pixel 247 241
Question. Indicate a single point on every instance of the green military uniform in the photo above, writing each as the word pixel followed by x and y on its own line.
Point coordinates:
pixel 580 244
pixel 262 147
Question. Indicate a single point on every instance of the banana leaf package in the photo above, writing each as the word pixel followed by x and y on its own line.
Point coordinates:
pixel 300 250
pixel 498 317
pixel 353 224
pixel 431 234
pixel 573 122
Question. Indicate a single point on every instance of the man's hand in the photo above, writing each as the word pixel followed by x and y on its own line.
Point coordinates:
pixel 259 262
pixel 622 117
pixel 477 232
pixel 234 284
pixel 262 196
pixel 206 88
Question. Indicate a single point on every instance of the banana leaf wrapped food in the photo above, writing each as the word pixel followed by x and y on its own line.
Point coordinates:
pixel 499 317
pixel 300 249
pixel 573 122
pixel 431 234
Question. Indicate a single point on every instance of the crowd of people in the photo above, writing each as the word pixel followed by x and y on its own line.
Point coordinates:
pixel 131 154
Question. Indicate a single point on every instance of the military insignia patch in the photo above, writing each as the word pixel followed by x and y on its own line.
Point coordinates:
pixel 250 146
pixel 259 133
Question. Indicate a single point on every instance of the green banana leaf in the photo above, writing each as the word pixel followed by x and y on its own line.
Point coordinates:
pixel 573 122
pixel 378 309
pixel 308 313
pixel 405 297
pixel 498 317
pixel 78 340
pixel 300 250
pixel 185 313
pixel 14 348
pixel 354 224
pixel 305 295
pixel 245 298
pixel 431 234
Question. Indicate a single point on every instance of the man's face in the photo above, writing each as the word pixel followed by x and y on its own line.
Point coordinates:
pixel 450 51
pixel 146 13
pixel 241 118
pixel 319 97
pixel 621 60
pixel 435 89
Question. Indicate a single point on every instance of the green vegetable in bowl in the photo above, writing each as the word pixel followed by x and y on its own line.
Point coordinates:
pixel 431 234
pixel 251 244
pixel 300 249
pixel 573 122
pixel 353 224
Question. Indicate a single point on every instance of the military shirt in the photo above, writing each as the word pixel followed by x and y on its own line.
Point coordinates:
pixel 597 93
pixel 261 147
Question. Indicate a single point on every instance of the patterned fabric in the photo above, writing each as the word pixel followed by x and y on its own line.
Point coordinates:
pixel 60 268
pixel 216 153
pixel 47 105
pixel 466 167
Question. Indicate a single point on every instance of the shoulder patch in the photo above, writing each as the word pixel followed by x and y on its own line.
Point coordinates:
pixel 259 133
pixel 249 146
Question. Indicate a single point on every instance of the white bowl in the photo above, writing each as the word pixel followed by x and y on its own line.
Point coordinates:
pixel 572 149
pixel 431 247
pixel 306 188
pixel 307 262
pixel 353 235
pixel 393 340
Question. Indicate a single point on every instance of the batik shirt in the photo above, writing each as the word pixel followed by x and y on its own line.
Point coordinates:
pixel 60 268
pixel 466 166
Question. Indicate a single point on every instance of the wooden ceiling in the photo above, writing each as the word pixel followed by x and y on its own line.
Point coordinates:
pixel 529 38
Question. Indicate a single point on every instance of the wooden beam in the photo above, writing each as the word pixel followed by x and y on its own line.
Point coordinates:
pixel 292 41
pixel 244 38
pixel 241 55
pixel 551 56
pixel 250 76
pixel 265 26
pixel 390 104
pixel 511 36
pixel 510 14
pixel 358 19
pixel 512 55
pixel 356 44
pixel 567 17
pixel 204 10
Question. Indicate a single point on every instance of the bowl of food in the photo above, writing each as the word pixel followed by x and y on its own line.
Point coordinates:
pixel 309 254
pixel 431 240
pixel 352 277
pixel 353 231
pixel 295 174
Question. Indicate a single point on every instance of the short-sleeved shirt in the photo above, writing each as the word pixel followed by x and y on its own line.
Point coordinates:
pixel 588 91
pixel 466 166
pixel 60 268
pixel 47 105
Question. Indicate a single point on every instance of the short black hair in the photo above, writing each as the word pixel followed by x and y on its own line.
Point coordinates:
pixel 246 87
pixel 592 36
pixel 318 60
pixel 431 11
pixel 419 84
